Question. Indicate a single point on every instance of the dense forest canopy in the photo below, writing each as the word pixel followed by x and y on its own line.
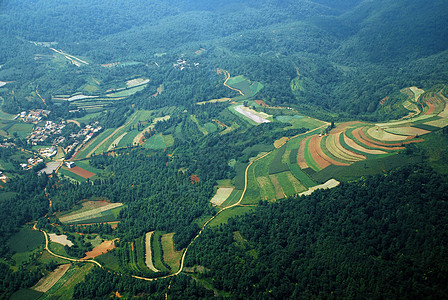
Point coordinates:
pixel 348 54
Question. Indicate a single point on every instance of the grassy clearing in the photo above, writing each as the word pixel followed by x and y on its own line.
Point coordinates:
pixel 223 217
pixel 254 189
pixel 22 129
pixel 128 139
pixel 109 261
pixel 159 141
pixel 157 251
pixel 127 92
pixel 248 88
pixel 26 240
pixel 170 256
pixel 26 294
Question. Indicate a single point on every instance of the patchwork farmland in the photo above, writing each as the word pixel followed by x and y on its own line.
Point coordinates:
pixel 93 212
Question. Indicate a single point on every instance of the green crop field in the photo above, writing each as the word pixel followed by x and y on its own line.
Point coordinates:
pixel 365 168
pixel 63 289
pixel 109 260
pixel 233 198
pixel 26 240
pixel 157 251
pixel 26 294
pixel 92 144
pixel 223 217
pixel 303 178
pixel 159 141
pixel 128 139
pixel 243 84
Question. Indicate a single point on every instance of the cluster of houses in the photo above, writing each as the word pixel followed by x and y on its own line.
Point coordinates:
pixel 86 133
pixel 40 134
pixel 182 64
pixel 33 116
pixel 31 163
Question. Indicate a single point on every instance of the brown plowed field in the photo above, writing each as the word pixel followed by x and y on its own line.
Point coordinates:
pixel 100 249
pixel 81 172
pixel 316 151
pixel 360 136
pixel 301 154
pixel 342 127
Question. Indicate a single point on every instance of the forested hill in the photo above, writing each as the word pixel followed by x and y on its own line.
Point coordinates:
pixel 382 237
pixel 341 57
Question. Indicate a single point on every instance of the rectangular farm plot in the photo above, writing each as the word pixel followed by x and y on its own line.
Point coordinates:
pixel 170 255
pixel 91 215
pixel 48 281
pixel 289 183
pixel 221 195
pixel 81 172
pixel 251 114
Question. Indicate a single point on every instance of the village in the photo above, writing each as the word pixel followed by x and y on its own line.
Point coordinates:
pixel 54 130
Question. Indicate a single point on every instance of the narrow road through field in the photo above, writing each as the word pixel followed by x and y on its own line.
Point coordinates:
pixel 181 267
pixel 66 258
pixel 227 74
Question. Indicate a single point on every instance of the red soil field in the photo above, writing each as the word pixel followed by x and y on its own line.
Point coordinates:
pixel 301 154
pixel 342 127
pixel 325 156
pixel 101 249
pixel 315 149
pixel 261 102
pixel 81 172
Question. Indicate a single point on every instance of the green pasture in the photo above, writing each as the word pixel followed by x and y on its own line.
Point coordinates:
pixel 127 92
pixel 26 294
pixel 157 253
pixel 303 178
pixel 128 139
pixel 223 217
pixel 159 141
pixel 26 240
pixel 6 195
pixel 243 84
pixel 86 166
pixel 109 260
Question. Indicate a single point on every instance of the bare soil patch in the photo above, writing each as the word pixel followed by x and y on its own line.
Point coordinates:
pixel 148 253
pixel 101 249
pixel 301 154
pixel 60 239
pixel 221 195
pixel 81 172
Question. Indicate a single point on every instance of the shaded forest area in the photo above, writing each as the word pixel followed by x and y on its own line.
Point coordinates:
pixel 379 237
